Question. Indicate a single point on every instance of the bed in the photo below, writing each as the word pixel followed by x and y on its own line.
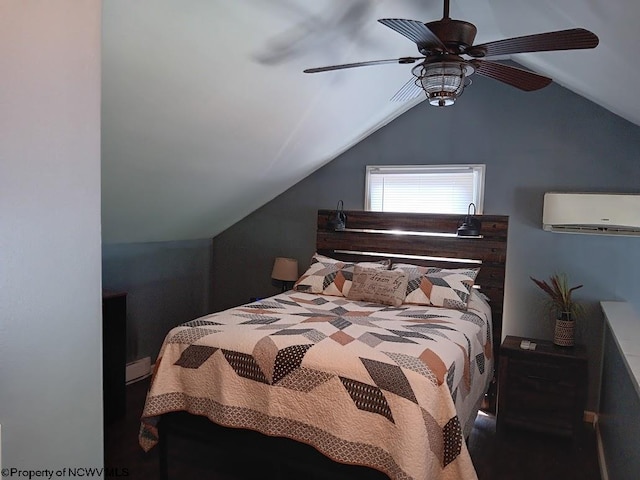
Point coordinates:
pixel 392 385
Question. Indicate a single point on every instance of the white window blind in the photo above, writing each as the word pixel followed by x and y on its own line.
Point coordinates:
pixel 424 188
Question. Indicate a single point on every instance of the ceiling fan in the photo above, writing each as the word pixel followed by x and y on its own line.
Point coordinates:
pixel 447 44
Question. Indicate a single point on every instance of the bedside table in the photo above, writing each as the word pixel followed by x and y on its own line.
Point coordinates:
pixel 543 389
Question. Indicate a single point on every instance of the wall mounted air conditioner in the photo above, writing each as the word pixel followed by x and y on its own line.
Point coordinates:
pixel 592 213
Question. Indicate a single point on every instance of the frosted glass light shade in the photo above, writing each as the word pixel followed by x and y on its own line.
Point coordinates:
pixel 443 78
pixel 443 82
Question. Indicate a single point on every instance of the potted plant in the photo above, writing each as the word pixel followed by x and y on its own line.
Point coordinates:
pixel 561 303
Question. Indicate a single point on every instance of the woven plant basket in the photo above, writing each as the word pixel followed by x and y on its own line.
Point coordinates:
pixel 564 333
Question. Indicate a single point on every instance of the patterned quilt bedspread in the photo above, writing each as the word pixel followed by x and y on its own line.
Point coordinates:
pixel 392 388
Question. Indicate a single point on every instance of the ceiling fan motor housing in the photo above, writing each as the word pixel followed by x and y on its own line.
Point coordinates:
pixel 456 35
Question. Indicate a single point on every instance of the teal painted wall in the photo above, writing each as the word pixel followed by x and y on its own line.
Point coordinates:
pixel 167 283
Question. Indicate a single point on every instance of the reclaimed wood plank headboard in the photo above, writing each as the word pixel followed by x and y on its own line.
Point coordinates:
pixel 424 239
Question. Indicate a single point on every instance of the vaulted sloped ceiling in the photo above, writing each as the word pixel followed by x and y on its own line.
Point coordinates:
pixel 206 114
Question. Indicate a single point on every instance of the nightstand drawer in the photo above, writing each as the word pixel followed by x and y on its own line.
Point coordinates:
pixel 533 384
pixel 542 389
pixel 544 375
pixel 540 401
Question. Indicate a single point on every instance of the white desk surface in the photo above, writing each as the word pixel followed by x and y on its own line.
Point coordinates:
pixel 625 325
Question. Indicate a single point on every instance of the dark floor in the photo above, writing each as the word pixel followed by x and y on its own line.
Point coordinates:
pixel 517 454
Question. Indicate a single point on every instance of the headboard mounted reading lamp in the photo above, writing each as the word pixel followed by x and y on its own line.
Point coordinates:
pixel 337 220
pixel 470 226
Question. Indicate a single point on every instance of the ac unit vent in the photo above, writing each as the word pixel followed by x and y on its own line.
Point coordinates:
pixel 609 230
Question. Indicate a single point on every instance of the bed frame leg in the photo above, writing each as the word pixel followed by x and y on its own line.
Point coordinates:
pixel 163 451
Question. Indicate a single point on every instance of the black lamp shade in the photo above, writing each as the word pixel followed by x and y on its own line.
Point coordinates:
pixel 470 226
pixel 337 219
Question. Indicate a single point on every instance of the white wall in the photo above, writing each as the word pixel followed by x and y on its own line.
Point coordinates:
pixel 50 301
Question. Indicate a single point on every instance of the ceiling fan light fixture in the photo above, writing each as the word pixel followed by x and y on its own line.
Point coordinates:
pixel 443 81
pixel 442 73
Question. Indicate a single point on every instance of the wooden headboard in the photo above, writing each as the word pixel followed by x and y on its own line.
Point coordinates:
pixel 424 239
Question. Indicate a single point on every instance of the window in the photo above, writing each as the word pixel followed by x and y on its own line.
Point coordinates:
pixel 424 188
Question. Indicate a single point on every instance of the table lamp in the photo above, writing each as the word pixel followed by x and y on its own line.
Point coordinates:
pixel 285 270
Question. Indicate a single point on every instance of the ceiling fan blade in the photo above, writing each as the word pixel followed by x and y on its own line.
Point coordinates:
pixel 363 64
pixel 572 39
pixel 415 31
pixel 409 91
pixel 516 77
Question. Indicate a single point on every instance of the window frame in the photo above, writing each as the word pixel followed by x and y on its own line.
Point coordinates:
pixel 478 169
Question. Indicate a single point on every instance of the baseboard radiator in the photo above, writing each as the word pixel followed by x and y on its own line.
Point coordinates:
pixel 138 370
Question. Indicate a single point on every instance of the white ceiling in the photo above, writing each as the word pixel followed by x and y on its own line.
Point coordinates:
pixel 207 115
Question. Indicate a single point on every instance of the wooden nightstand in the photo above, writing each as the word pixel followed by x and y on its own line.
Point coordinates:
pixel 543 389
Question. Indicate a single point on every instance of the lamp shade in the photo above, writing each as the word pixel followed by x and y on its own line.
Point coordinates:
pixel 285 269
pixel 471 225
